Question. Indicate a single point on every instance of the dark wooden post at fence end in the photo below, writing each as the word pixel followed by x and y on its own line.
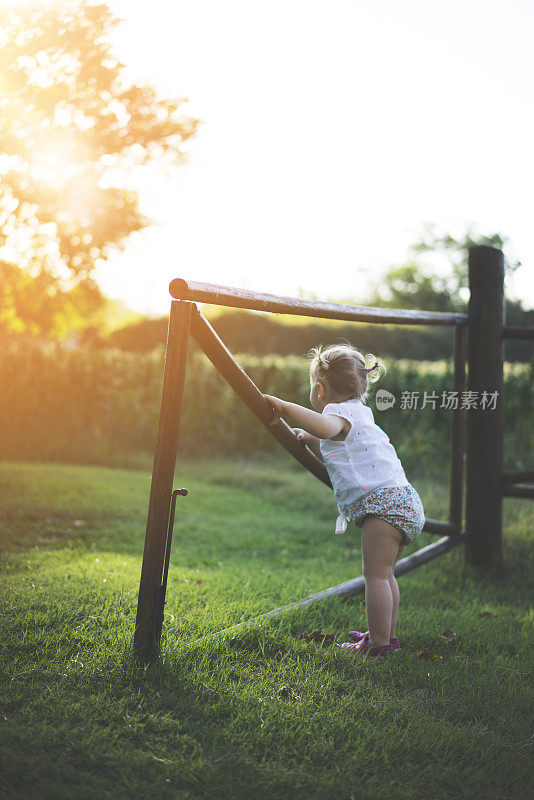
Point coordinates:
pixel 485 426
pixel 146 644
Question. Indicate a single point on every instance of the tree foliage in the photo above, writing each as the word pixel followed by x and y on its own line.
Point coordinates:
pixel 71 132
pixel 419 284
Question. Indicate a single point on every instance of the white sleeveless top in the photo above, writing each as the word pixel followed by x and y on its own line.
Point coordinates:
pixel 365 460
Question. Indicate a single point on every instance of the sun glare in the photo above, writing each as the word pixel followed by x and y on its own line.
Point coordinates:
pixel 56 157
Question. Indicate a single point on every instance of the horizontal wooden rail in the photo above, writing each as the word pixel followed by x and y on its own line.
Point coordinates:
pixel 518 490
pixel 246 389
pixel 518 332
pixel 182 289
pixel 517 475
pixel 443 528
pixel 352 586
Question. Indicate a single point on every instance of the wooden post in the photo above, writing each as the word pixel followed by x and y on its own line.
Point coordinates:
pixel 146 644
pixel 457 431
pixel 485 354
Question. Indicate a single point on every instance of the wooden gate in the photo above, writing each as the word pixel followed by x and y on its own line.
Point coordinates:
pixel 478 337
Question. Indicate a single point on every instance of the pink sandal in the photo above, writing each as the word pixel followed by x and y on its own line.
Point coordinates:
pixel 356 636
pixel 363 647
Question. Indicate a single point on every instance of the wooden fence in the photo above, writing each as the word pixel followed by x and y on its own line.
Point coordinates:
pixel 478 338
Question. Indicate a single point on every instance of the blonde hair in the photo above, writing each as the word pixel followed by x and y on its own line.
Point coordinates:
pixel 346 370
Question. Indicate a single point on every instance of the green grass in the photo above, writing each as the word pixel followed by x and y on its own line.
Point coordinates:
pixel 212 719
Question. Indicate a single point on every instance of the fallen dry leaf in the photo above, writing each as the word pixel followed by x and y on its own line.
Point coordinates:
pixel 325 639
pixel 426 653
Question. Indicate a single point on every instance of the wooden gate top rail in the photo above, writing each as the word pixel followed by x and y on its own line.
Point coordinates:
pixel 181 289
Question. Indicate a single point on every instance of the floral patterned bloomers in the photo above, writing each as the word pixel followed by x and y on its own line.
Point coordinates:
pixel 401 506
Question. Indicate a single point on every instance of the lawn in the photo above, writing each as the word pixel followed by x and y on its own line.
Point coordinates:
pixel 261 713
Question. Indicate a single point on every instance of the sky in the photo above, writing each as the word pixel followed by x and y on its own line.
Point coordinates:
pixel 330 133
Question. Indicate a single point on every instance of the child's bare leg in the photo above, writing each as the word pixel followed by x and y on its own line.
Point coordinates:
pixel 379 605
pixel 380 546
pixel 394 586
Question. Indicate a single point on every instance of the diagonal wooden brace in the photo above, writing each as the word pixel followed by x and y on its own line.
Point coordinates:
pixel 224 362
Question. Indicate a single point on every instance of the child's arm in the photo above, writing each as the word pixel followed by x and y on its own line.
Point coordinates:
pixel 319 425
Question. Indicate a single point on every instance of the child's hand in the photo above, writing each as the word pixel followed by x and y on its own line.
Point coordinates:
pixel 278 406
pixel 303 436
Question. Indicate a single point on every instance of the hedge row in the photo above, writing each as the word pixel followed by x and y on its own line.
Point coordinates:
pixel 102 406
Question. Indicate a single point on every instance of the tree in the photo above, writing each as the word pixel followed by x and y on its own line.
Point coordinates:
pixel 419 283
pixel 71 132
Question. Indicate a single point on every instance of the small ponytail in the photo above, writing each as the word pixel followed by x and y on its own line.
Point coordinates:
pixel 378 368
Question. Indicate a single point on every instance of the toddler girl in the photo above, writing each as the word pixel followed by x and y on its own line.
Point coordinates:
pixel 370 486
